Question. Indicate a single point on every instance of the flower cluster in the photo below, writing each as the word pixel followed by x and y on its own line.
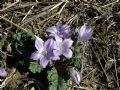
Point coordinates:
pixel 63 31
pixel 59 43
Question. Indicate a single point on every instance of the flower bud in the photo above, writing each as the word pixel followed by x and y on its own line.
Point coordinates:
pixel 85 33
pixel 74 75
pixel 3 73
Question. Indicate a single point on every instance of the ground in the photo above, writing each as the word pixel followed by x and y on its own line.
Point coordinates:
pixel 99 61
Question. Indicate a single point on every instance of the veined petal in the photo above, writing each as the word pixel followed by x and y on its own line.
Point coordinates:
pixel 85 33
pixel 57 52
pixel 67 43
pixel 49 44
pixel 74 75
pixel 67 53
pixel 52 35
pixel 54 46
pixel 90 31
pixel 82 30
pixel 83 37
pixel 3 73
pixel 35 55
pixel 55 58
pixel 52 30
pixel 39 43
pixel 65 29
pixel 44 61
pixel 58 39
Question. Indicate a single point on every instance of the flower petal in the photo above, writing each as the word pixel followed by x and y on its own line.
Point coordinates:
pixel 44 61
pixel 82 30
pixel 90 31
pixel 67 43
pixel 3 73
pixel 52 30
pixel 85 37
pixel 58 39
pixel 39 43
pixel 35 55
pixel 67 53
pixel 57 52
pixel 52 35
pixel 65 30
pixel 85 33
pixel 55 58
pixel 74 75
pixel 49 44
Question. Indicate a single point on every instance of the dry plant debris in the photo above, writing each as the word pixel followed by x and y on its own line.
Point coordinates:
pixel 100 57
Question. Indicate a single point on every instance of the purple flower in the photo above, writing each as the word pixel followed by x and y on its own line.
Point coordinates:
pixel 44 51
pixel 3 73
pixel 74 75
pixel 62 47
pixel 85 33
pixel 63 31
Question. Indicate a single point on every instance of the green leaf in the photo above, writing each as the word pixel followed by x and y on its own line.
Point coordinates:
pixel 62 84
pixel 17 37
pixel 35 67
pixel 22 42
pixel 30 33
pixel 78 47
pixel 55 81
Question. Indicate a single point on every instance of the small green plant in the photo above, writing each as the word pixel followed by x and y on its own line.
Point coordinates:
pixel 34 67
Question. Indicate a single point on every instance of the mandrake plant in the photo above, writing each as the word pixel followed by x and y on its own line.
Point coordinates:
pixel 50 44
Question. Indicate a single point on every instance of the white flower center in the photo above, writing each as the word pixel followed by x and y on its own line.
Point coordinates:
pixel 60 47
pixel 58 33
pixel 45 53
